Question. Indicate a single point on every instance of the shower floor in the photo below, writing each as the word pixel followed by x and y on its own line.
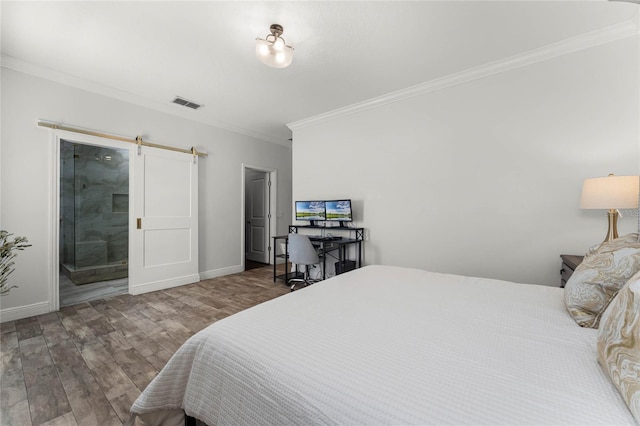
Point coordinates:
pixel 92 274
pixel 71 294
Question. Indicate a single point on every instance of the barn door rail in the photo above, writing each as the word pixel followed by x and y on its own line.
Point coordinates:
pixel 137 140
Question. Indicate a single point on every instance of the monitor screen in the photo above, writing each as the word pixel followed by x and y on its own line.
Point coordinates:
pixel 338 210
pixel 310 210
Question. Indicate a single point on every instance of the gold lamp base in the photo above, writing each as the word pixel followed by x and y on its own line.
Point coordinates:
pixel 612 232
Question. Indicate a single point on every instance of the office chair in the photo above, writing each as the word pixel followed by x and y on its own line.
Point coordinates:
pixel 302 252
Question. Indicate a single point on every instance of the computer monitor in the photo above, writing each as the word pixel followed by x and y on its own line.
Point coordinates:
pixel 310 210
pixel 338 210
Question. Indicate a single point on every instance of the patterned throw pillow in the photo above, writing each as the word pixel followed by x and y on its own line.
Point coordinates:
pixel 619 343
pixel 599 277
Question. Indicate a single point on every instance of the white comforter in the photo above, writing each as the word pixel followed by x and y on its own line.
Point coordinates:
pixel 387 345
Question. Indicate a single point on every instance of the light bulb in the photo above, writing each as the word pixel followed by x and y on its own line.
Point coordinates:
pixel 263 50
pixel 280 57
pixel 278 44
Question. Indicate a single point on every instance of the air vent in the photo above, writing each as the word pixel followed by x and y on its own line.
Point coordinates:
pixel 184 102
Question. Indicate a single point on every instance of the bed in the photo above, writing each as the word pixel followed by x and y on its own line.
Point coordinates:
pixel 390 345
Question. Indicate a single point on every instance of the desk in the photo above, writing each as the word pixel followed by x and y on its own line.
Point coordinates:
pixel 325 246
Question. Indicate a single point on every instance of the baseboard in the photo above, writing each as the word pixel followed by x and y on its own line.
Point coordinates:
pixel 164 284
pixel 215 273
pixel 12 314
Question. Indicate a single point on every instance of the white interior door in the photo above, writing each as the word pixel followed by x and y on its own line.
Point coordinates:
pixel 257 219
pixel 164 244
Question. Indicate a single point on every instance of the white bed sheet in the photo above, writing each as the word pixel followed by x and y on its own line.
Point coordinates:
pixel 388 345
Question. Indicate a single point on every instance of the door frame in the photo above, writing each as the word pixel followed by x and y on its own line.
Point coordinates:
pixel 273 203
pixel 253 176
pixel 54 210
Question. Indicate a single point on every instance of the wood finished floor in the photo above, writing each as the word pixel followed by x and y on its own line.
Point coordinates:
pixel 87 363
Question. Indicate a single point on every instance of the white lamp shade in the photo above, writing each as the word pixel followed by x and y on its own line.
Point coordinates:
pixel 274 53
pixel 611 192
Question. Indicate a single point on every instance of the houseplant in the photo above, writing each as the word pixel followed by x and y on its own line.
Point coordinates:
pixel 8 248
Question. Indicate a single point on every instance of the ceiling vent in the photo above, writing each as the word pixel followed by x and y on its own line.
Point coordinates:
pixel 184 102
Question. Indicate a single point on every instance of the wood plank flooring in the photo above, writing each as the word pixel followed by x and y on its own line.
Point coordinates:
pixel 87 363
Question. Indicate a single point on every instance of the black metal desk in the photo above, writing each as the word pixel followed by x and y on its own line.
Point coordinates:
pixel 325 246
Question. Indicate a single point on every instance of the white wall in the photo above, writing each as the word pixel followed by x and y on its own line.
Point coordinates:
pixel 27 158
pixel 483 178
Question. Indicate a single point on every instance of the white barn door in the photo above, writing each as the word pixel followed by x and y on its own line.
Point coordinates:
pixel 164 244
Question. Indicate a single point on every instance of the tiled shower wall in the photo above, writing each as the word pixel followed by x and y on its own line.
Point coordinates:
pixel 94 205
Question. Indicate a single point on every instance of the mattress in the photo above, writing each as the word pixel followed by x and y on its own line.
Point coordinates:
pixel 389 345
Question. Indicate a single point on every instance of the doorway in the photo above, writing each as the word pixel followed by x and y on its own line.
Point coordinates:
pixel 162 212
pixel 258 199
pixel 94 222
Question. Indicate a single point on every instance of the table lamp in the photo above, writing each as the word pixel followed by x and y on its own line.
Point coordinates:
pixel 610 193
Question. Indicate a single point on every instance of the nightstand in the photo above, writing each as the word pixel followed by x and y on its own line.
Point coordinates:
pixel 569 264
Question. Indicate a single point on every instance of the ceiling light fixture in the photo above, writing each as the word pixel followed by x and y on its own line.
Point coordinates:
pixel 273 50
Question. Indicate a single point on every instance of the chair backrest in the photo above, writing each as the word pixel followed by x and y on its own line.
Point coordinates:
pixel 301 251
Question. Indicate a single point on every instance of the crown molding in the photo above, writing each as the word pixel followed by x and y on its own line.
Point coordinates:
pixel 584 41
pixel 19 65
pixel 629 1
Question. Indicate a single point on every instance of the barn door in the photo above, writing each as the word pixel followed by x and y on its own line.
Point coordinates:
pixel 164 245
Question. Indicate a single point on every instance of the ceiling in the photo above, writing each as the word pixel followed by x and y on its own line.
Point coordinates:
pixel 345 52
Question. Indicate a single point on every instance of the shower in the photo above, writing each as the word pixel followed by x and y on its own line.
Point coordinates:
pixel 94 212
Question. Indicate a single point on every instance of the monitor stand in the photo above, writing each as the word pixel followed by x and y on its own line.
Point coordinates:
pixel 312 223
pixel 343 224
